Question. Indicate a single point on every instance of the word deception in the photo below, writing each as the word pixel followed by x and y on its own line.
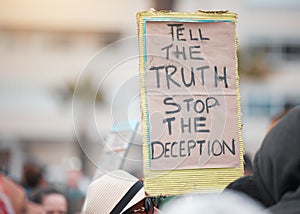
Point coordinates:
pixel 185 148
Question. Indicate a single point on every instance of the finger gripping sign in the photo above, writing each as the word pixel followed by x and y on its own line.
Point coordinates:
pixel 190 101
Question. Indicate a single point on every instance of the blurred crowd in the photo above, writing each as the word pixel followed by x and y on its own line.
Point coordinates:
pixel 270 185
pixel 34 193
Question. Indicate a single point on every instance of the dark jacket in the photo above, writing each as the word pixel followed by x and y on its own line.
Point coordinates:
pixel 276 177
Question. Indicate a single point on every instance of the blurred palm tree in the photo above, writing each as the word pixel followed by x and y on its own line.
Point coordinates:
pixel 86 92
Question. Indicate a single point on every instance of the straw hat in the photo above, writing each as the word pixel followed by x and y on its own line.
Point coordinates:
pixel 113 193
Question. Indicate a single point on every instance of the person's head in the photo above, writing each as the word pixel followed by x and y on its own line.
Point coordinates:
pixel 277 162
pixel 32 175
pixel 116 192
pixel 276 176
pixel 51 200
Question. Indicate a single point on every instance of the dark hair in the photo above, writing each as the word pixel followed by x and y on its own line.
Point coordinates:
pixel 37 195
pixel 32 174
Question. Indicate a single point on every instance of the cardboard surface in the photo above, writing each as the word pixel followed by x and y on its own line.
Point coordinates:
pixel 189 101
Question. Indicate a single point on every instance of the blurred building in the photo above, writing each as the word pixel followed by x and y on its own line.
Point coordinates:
pixel 44 45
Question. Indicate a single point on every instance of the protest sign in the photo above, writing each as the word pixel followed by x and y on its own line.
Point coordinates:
pixel 189 100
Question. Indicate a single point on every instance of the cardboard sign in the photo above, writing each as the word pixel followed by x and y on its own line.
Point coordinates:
pixel 189 99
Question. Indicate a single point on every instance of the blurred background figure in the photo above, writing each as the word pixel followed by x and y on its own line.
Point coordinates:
pixel 75 195
pixel 13 199
pixel 226 203
pixel 281 114
pixel 32 176
pixel 51 200
pixel 5 202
